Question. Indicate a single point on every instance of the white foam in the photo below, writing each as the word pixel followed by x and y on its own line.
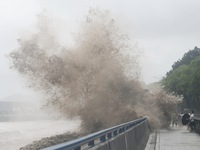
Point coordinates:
pixel 14 135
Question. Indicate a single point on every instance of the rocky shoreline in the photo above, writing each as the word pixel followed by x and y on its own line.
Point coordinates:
pixel 50 141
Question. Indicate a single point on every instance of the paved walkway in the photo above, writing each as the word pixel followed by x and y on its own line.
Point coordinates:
pixel 178 138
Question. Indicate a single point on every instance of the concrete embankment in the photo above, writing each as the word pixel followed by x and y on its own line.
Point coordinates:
pixel 133 139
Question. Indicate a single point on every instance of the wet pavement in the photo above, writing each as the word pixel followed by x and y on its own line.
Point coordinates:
pixel 175 138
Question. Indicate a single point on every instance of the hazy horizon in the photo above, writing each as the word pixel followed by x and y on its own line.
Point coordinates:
pixel 163 30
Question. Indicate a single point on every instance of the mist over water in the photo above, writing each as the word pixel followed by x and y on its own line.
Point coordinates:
pixel 14 135
pixel 22 122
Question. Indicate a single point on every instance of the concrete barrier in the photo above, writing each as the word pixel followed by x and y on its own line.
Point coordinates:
pixel 118 143
pixel 133 139
pixel 139 132
pixel 102 146
pixel 144 138
pixel 137 138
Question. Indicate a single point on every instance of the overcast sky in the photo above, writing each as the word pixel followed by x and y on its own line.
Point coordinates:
pixel 163 29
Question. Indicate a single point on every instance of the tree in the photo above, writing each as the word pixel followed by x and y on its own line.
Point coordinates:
pixel 183 79
pixel 187 58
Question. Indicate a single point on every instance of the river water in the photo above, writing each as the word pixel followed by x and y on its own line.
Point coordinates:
pixel 16 134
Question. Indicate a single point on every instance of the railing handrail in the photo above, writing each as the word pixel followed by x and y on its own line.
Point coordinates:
pixel 104 135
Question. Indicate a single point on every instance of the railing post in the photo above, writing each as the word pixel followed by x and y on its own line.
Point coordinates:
pixel 127 127
pixel 78 148
pixel 115 133
pixel 109 135
pixel 120 130
pixel 102 139
pixel 91 143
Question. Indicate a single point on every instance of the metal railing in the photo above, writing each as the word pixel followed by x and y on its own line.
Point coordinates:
pixel 96 138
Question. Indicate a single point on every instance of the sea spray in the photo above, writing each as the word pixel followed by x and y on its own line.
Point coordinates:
pixel 95 78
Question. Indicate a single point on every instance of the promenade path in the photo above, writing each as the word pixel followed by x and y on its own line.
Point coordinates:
pixel 175 138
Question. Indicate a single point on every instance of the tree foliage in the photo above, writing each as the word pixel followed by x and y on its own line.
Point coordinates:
pixel 187 58
pixel 184 78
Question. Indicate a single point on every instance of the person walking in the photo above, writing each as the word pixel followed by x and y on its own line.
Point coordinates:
pixel 192 123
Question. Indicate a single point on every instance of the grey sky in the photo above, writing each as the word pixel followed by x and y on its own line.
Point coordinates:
pixel 164 29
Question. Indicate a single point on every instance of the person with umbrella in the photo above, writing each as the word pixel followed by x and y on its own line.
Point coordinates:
pixel 188 119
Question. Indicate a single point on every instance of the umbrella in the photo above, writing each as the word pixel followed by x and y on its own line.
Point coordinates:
pixel 185 119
